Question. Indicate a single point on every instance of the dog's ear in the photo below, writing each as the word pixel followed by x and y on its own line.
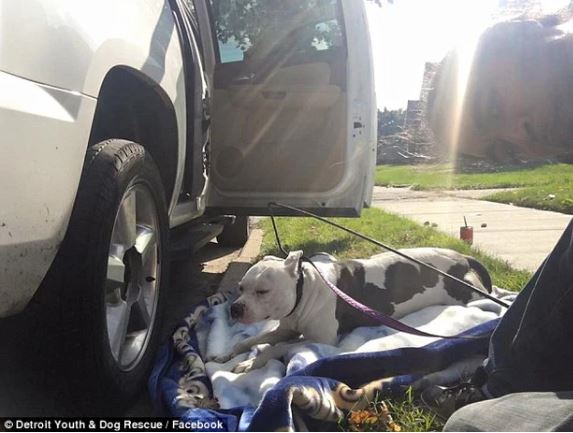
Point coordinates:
pixel 265 258
pixel 292 262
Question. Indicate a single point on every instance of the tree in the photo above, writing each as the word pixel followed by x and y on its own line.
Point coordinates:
pixel 244 21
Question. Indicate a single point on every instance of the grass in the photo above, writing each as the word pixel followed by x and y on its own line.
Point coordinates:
pixel 391 415
pixel 312 236
pixel 557 197
pixel 443 176
pixel 548 187
pixel 412 417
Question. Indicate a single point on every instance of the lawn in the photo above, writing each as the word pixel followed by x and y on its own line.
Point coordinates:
pixel 444 176
pixel 548 187
pixel 557 197
pixel 312 236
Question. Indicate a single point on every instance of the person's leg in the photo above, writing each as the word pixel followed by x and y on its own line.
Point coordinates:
pixel 528 411
pixel 531 348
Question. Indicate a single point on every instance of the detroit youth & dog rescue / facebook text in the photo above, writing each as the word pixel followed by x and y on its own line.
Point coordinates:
pixel 111 424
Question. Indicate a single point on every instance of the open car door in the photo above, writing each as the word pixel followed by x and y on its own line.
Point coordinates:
pixel 293 112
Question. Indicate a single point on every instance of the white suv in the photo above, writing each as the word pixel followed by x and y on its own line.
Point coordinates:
pixel 121 120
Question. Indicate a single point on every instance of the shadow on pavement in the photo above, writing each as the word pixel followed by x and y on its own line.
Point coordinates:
pixel 29 382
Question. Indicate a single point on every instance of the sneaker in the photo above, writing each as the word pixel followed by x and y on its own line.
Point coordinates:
pixel 444 401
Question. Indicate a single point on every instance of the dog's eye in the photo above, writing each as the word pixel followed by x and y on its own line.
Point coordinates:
pixel 261 292
pixel 241 289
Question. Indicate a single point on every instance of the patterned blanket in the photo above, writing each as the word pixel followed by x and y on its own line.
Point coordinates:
pixel 315 383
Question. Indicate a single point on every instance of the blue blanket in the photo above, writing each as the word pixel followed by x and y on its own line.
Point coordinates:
pixel 314 386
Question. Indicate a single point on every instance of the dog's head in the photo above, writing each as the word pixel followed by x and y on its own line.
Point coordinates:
pixel 268 289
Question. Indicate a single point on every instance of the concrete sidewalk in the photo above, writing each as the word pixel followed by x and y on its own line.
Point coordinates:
pixel 519 235
pixel 241 264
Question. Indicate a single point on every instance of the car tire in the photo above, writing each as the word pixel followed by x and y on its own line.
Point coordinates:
pixel 235 235
pixel 113 269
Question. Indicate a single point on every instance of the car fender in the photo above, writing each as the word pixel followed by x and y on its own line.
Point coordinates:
pixel 58 52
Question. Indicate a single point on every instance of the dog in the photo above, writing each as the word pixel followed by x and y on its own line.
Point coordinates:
pixel 293 292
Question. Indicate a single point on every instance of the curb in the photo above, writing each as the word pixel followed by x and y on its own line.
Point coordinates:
pixel 239 266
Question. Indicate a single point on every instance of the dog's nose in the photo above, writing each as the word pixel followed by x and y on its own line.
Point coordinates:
pixel 237 310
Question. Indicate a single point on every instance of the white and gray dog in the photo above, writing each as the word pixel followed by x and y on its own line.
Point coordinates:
pixel 292 291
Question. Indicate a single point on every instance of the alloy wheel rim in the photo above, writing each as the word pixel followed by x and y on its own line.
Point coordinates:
pixel 133 276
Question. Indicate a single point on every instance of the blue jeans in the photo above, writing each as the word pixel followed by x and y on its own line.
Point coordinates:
pixel 532 347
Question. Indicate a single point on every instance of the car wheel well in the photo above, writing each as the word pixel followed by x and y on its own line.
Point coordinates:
pixel 132 107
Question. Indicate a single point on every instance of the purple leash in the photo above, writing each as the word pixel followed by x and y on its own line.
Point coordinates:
pixel 382 318
pixel 381 245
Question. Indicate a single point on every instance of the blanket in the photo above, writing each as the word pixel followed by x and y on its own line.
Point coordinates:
pixel 314 383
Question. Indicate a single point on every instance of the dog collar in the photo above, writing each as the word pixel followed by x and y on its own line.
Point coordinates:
pixel 299 284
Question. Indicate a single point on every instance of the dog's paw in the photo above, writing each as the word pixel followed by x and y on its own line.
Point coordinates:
pixel 245 366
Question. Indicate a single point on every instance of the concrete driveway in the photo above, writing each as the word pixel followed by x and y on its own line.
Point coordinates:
pixel 29 387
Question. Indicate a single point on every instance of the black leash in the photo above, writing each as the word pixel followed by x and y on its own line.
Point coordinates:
pixel 382 318
pixel 377 243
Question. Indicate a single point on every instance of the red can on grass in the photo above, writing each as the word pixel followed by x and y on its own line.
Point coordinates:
pixel 467 234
